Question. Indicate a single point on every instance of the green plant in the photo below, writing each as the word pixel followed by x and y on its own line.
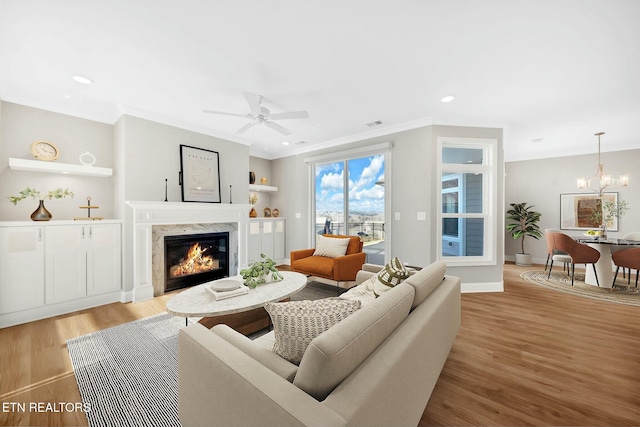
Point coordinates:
pixel 608 211
pixel 525 222
pixel 58 193
pixel 258 271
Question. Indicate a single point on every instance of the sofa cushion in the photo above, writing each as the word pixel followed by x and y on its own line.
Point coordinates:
pixel 426 280
pixel 391 275
pixel 331 248
pixel 297 323
pixel 336 353
pixel 285 369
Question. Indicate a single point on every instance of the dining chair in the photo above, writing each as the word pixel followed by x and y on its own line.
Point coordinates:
pixel 579 253
pixel 627 258
pixel 634 235
pixel 554 253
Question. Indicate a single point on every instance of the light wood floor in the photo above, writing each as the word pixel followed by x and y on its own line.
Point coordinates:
pixel 528 356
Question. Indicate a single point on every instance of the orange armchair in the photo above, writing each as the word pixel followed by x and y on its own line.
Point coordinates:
pixel 339 269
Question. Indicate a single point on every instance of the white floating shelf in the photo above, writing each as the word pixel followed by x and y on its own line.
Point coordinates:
pixel 255 187
pixel 54 167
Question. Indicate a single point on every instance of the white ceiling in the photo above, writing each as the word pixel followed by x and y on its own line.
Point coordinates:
pixel 555 70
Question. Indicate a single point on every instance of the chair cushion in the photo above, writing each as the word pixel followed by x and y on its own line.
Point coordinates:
pixel 314 265
pixel 355 245
pixel 336 353
pixel 331 248
pixel 297 323
pixel 391 275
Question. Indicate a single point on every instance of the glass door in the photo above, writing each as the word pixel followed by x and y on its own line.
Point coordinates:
pixel 353 203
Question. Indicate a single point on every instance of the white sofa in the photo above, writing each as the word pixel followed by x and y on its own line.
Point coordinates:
pixel 377 367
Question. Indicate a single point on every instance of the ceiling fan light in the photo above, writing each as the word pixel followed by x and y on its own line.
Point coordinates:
pixel 82 79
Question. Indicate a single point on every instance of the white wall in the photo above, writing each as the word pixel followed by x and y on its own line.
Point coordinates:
pixel 148 152
pixel 412 190
pixel 540 183
pixel 20 126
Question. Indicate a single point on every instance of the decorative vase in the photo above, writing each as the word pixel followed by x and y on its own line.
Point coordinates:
pixel 253 213
pixel 603 232
pixel 252 177
pixel 41 214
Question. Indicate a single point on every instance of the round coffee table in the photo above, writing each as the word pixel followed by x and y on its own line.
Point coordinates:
pixel 197 302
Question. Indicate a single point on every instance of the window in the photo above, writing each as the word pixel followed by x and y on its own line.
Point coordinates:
pixel 466 215
pixel 349 191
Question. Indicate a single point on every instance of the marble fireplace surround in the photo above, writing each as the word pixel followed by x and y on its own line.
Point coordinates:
pixel 154 220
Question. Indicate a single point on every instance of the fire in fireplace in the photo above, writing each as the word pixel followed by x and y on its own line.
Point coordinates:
pixel 195 258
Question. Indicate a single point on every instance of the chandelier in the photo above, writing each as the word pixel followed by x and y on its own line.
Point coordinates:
pixel 600 179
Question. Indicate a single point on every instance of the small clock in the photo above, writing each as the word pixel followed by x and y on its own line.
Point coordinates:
pixel 44 150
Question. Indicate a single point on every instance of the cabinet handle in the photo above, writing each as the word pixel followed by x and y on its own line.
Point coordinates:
pixel 39 234
pixel 90 232
pixel 83 232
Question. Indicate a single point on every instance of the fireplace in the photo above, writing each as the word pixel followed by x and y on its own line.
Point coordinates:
pixel 192 259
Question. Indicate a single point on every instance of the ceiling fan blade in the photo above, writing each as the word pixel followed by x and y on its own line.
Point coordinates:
pixel 224 113
pixel 289 115
pixel 246 127
pixel 254 102
pixel 277 127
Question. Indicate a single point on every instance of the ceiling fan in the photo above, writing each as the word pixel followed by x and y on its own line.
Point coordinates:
pixel 262 116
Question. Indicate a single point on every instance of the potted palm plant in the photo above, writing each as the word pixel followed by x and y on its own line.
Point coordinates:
pixel 524 222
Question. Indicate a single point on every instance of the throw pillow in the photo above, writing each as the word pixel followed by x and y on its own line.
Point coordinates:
pixel 331 247
pixel 391 275
pixel 297 323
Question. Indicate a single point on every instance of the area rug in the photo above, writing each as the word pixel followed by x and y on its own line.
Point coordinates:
pixel 128 374
pixel 621 293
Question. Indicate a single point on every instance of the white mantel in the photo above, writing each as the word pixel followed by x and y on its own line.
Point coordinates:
pixel 147 214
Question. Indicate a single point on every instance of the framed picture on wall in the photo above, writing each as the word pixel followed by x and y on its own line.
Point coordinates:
pixel 199 175
pixel 576 211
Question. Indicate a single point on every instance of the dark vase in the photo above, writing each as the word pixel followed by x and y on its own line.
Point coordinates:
pixel 41 214
pixel 252 178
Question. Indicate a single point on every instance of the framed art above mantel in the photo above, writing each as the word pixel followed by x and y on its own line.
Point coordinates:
pixel 576 211
pixel 199 174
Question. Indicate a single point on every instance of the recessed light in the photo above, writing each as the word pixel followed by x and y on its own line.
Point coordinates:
pixel 537 140
pixel 447 98
pixel 285 142
pixel 82 80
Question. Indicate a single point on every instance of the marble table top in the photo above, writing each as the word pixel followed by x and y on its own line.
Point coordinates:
pixel 197 302
pixel 619 242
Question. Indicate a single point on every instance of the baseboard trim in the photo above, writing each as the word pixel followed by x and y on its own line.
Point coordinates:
pixel 469 288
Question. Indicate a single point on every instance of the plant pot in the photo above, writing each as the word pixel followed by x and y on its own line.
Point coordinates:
pixel 41 214
pixel 523 260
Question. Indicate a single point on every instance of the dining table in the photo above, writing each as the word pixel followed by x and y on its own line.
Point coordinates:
pixel 604 268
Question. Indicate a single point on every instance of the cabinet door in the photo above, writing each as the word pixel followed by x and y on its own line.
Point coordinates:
pixel 267 238
pixel 103 259
pixel 278 240
pixel 65 262
pixel 255 240
pixel 21 268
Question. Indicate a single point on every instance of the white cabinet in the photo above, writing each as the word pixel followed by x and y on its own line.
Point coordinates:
pixel 266 236
pixel 57 267
pixel 81 260
pixel 21 268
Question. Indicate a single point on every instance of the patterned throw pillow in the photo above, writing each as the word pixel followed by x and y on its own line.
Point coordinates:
pixel 331 247
pixel 297 323
pixel 391 275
